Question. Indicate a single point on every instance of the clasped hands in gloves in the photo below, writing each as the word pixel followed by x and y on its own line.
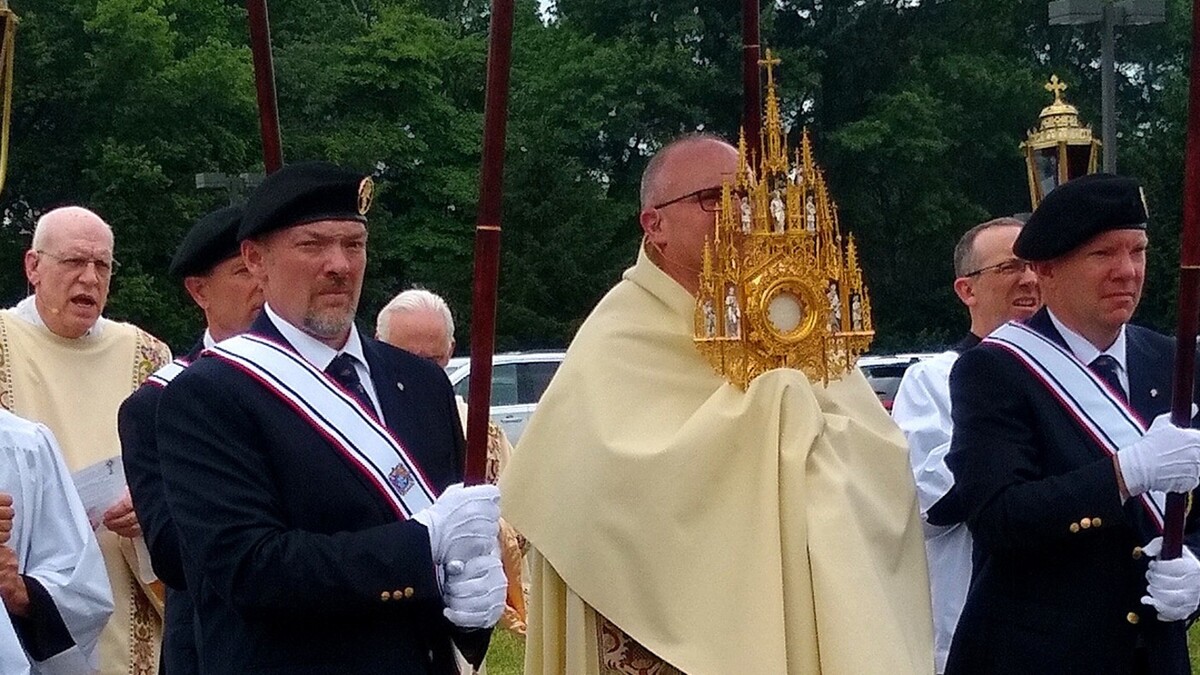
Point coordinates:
pixel 1166 459
pixel 463 526
pixel 1172 586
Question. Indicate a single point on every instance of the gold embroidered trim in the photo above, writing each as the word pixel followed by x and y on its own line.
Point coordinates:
pixel 143 629
pixel 6 387
pixel 492 470
pixel 622 655
pixel 149 355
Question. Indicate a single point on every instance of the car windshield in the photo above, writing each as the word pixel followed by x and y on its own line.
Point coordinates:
pixel 455 364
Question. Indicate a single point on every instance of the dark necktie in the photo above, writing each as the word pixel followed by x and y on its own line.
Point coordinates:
pixel 1106 368
pixel 341 369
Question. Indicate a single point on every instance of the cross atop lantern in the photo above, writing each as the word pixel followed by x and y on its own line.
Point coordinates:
pixel 1061 148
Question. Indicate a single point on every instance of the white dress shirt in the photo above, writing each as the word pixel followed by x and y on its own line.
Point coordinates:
pixel 1087 352
pixel 320 354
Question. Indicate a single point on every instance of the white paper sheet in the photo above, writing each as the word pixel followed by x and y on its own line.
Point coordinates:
pixel 100 486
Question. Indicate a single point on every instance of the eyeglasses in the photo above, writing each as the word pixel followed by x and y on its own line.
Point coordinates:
pixel 104 268
pixel 1009 267
pixel 708 198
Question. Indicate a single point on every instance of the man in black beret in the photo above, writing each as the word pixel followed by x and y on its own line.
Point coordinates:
pixel 313 472
pixel 209 262
pixel 1062 453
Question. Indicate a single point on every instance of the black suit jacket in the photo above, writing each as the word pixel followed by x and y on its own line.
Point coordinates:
pixel 139 452
pixel 1047 596
pixel 299 565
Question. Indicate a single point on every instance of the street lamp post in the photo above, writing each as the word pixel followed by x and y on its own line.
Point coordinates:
pixel 1110 13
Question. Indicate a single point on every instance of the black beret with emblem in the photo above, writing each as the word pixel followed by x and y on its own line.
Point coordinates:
pixel 1078 210
pixel 211 241
pixel 306 192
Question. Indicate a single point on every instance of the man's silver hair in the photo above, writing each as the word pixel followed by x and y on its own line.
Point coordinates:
pixel 41 229
pixel 414 299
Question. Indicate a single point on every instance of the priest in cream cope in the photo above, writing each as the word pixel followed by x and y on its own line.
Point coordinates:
pixel 69 368
pixel 688 520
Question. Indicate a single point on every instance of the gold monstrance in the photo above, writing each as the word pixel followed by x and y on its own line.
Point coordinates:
pixel 778 289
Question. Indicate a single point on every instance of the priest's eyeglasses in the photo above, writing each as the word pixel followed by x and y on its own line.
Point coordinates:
pixel 1010 267
pixel 104 268
pixel 708 198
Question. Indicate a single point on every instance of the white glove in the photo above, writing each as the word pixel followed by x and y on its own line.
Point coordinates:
pixel 463 523
pixel 1173 585
pixel 1166 459
pixel 475 598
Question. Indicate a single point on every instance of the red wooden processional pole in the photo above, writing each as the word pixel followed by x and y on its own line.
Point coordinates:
pixel 751 88
pixel 1189 292
pixel 487 240
pixel 264 84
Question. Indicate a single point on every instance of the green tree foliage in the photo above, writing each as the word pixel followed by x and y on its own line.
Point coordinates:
pixel 916 110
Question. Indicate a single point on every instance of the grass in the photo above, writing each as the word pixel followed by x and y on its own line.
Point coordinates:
pixel 1193 647
pixel 506 655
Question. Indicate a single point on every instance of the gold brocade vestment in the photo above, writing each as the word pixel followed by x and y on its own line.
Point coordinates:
pixel 680 523
pixel 74 387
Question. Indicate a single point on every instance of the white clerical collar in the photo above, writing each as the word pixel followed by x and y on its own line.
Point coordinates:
pixel 313 350
pixel 1086 351
pixel 208 340
pixel 27 311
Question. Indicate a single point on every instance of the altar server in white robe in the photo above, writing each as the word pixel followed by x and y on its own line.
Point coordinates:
pixel 52 577
pixel 995 286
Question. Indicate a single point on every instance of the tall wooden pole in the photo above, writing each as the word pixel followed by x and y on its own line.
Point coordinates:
pixel 487 239
pixel 751 87
pixel 1189 291
pixel 264 84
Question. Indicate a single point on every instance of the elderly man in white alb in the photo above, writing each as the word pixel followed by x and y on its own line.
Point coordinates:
pixel 420 322
pixel 67 367
pixel 52 580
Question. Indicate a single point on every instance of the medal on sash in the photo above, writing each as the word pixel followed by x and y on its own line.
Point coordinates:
pixel 354 432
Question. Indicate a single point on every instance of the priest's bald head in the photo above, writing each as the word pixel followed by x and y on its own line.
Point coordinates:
pixel 69 267
pixel 681 193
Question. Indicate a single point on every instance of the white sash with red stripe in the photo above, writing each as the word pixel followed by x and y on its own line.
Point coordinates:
pixel 163 376
pixel 1107 418
pixel 336 415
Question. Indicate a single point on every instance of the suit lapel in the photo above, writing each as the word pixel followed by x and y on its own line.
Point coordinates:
pixel 1042 323
pixel 196 351
pixel 393 401
pixel 1140 363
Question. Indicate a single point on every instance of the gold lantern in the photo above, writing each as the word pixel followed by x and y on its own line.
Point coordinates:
pixel 778 288
pixel 1061 148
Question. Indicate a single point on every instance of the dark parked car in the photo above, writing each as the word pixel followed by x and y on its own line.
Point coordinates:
pixel 884 373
